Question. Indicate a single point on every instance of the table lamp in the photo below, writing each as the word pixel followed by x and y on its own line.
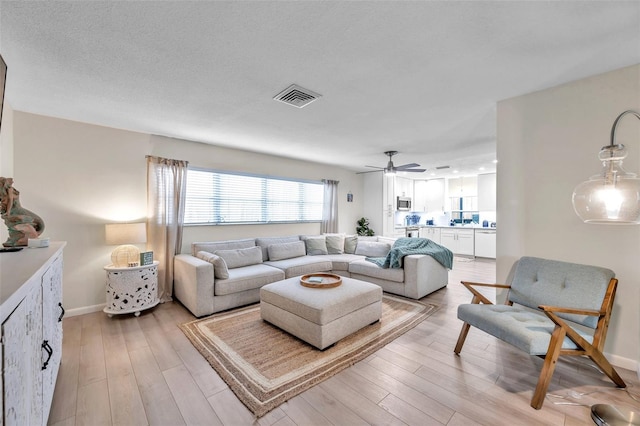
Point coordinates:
pixel 124 235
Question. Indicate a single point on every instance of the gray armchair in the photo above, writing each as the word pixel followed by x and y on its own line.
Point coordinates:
pixel 546 299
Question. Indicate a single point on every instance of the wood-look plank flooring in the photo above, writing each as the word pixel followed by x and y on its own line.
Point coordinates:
pixel 135 371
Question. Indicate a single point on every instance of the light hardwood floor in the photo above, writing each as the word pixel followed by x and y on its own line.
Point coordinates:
pixel 135 371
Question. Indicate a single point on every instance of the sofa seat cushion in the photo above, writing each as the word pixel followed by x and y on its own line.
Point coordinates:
pixel 247 278
pixel 341 262
pixel 301 265
pixel 525 329
pixel 363 267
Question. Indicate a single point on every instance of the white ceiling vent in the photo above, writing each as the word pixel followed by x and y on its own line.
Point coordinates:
pixel 297 96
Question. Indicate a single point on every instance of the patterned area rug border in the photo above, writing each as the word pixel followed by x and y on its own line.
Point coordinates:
pixel 233 343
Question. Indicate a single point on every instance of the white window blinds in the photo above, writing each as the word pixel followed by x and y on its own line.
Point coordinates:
pixel 222 197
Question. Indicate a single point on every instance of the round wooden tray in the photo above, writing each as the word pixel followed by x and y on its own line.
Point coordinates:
pixel 328 280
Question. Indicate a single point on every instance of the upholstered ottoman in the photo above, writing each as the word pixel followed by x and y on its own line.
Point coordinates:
pixel 321 316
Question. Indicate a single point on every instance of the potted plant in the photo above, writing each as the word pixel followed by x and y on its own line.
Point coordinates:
pixel 363 227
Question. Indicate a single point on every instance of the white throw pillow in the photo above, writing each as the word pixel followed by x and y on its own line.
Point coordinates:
pixel 286 250
pixel 372 249
pixel 241 257
pixel 350 243
pixel 220 269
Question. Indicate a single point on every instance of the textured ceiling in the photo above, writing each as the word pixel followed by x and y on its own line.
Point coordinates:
pixel 422 78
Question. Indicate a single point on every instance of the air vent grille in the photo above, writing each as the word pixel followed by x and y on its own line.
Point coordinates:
pixel 297 96
pixel 442 167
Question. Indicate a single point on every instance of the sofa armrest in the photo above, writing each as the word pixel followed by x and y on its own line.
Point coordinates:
pixel 423 275
pixel 193 283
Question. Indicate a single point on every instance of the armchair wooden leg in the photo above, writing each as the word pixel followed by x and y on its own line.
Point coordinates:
pixel 549 366
pixel 602 362
pixel 461 338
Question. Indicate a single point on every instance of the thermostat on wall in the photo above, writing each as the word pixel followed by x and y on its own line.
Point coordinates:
pixel 38 242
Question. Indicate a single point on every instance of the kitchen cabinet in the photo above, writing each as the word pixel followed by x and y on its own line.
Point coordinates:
pixel 487 192
pixel 458 240
pixel 31 313
pixel 428 195
pixel 403 187
pixel 431 233
pixel 485 243
pixel 463 186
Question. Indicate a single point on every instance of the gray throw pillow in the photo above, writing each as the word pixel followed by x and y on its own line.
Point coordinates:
pixel 241 257
pixel 286 250
pixel 315 245
pixel 372 249
pixel 350 243
pixel 335 243
pixel 220 269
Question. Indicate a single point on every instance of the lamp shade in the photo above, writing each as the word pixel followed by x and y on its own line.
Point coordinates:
pixel 126 233
pixel 613 195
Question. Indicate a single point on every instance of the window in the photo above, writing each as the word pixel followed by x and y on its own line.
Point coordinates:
pixel 216 197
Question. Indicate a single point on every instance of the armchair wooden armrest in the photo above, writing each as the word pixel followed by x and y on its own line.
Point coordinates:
pixel 563 310
pixel 477 296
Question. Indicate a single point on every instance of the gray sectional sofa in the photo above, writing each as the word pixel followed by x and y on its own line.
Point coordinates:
pixel 221 275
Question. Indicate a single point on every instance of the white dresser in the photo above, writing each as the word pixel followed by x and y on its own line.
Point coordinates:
pixel 31 316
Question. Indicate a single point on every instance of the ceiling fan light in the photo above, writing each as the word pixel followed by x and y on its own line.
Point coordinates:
pixel 389 171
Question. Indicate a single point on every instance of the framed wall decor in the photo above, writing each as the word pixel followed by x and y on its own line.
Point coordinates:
pixel 3 78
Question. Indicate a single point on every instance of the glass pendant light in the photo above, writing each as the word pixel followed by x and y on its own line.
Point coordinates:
pixel 613 195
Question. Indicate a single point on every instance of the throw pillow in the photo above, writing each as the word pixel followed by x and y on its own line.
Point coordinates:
pixel 241 257
pixel 335 243
pixel 265 242
pixel 372 248
pixel 220 269
pixel 286 250
pixel 350 243
pixel 315 245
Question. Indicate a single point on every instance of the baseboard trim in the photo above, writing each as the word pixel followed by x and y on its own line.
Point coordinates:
pixel 84 310
pixel 626 363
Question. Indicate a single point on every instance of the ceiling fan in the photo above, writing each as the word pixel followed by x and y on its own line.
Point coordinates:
pixel 391 169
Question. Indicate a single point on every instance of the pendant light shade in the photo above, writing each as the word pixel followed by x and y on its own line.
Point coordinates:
pixel 613 195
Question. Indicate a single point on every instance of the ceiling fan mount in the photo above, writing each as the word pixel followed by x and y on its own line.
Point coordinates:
pixel 390 169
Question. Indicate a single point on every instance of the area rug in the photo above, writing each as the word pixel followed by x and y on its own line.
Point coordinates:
pixel 265 366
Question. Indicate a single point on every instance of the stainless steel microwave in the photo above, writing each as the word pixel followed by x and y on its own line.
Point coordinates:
pixel 404 203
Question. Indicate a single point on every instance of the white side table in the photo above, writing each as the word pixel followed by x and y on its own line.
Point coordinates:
pixel 131 290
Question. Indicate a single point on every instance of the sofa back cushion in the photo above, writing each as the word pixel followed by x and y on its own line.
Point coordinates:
pixel 220 269
pixel 372 248
pixel 315 244
pixel 222 245
pixel 265 242
pixel 286 250
pixel 240 257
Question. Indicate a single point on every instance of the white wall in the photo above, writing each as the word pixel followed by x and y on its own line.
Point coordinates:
pixel 6 154
pixel 548 143
pixel 79 176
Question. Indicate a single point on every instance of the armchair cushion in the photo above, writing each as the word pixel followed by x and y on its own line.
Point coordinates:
pixel 528 331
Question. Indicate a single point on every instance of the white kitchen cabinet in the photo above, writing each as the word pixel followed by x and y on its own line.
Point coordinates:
pixel 458 240
pixel 428 195
pixel 403 187
pixel 463 186
pixel 31 314
pixel 431 233
pixel 388 193
pixel 485 243
pixel 487 192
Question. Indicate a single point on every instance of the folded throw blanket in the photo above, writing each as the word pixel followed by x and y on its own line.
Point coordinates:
pixel 406 246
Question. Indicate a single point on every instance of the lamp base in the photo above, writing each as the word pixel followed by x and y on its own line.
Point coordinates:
pixel 610 415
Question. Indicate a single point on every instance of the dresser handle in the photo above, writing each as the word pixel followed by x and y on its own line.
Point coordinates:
pixel 61 313
pixel 49 349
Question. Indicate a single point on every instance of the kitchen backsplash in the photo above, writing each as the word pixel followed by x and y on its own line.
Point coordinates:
pixel 402 219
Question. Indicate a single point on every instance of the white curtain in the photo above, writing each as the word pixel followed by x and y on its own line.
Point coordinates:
pixel 330 207
pixel 166 190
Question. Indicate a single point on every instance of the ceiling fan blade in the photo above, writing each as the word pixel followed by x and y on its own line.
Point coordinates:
pixel 370 171
pixel 407 166
pixel 376 167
